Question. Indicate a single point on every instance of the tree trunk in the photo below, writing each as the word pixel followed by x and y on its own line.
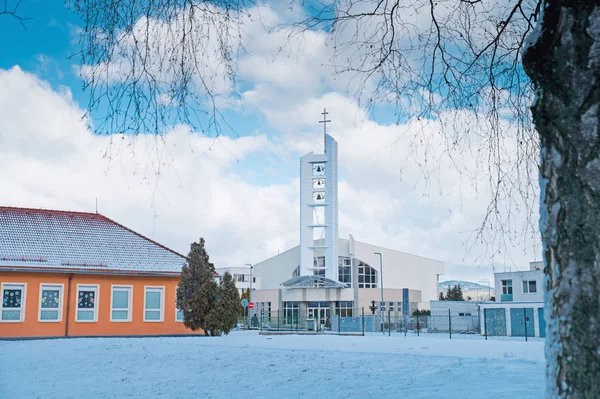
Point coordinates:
pixel 563 61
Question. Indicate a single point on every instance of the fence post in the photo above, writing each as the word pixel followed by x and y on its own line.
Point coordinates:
pixel 405 326
pixel 389 323
pixel 418 335
pixel 525 320
pixel 277 320
pixel 362 319
pixel 449 324
pixel 485 323
pixel 339 324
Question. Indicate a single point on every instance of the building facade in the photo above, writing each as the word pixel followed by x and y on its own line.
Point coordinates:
pixel 74 274
pixel 324 275
pixel 519 307
pixel 241 276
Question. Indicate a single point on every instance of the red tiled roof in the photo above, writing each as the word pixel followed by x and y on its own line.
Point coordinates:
pixel 53 239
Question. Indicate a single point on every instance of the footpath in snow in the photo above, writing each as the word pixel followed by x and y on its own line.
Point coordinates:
pixel 248 365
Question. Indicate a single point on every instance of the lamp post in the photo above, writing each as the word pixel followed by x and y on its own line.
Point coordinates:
pixel 382 302
pixel 251 267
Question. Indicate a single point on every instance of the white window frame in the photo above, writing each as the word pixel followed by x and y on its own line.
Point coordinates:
pixel 60 301
pixel 129 308
pixel 525 283
pixel 176 311
pixel 88 287
pixel 162 303
pixel 23 286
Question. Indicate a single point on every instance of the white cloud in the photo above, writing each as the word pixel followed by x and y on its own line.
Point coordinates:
pixel 175 189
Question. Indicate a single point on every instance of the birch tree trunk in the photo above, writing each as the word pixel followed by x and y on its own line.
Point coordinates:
pixel 563 61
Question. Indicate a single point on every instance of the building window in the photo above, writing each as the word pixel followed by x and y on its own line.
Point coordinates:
pixel 121 303
pixel 87 303
pixel 13 303
pixel 344 308
pixel 391 306
pixel 367 276
pixel 507 287
pixel 153 304
pixel 178 315
pixel 345 271
pixel 50 302
pixel 240 278
pixel 269 311
pixel 464 314
pixel 296 272
pixel 291 312
pixel 529 287
pixel 382 306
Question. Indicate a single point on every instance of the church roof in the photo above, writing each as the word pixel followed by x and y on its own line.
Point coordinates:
pixel 312 282
pixel 63 240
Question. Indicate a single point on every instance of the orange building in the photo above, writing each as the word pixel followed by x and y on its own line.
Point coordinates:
pixel 74 274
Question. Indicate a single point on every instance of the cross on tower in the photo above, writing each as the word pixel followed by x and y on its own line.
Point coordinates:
pixel 325 120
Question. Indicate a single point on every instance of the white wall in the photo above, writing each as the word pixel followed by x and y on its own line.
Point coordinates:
pixel 440 308
pixel 277 269
pixel 402 270
pixel 517 284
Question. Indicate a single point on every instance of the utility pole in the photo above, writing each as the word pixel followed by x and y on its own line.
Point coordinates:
pixel 251 267
pixel 382 302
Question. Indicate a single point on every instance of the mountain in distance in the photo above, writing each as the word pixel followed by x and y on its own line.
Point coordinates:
pixel 464 285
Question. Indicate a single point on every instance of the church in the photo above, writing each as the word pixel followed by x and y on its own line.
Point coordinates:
pixel 326 275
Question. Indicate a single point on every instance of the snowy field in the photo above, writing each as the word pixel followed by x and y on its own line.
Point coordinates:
pixel 246 365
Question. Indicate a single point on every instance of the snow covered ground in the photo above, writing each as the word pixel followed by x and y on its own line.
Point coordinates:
pixel 247 365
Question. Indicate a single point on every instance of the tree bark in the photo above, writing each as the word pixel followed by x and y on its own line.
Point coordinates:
pixel 563 62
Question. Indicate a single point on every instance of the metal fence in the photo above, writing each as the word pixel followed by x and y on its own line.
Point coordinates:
pixel 364 323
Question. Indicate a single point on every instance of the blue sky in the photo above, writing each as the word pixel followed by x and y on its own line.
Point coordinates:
pixel 241 188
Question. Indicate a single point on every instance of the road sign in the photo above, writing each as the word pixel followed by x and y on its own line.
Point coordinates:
pixel 245 302
pixel 251 305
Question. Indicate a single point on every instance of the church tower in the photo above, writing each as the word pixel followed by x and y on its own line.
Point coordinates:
pixel 319 210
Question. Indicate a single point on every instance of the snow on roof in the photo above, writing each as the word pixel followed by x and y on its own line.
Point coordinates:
pixel 50 239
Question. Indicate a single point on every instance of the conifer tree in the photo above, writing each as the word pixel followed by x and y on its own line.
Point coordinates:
pixel 442 296
pixel 197 290
pixel 228 304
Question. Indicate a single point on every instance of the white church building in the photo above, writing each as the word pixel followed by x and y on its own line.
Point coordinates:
pixel 326 275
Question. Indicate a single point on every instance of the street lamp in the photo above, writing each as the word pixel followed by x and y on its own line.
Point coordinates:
pixel 382 302
pixel 251 267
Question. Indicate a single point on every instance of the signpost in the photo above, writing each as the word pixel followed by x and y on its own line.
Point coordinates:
pixel 245 305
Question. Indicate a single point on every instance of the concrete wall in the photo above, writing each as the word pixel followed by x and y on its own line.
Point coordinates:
pixel 440 308
pixel 517 284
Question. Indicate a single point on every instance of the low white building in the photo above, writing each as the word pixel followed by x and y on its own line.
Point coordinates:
pixel 241 276
pixel 519 306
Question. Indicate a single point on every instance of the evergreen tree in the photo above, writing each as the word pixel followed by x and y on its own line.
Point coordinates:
pixel 442 296
pixel 228 303
pixel 454 294
pixel 197 290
